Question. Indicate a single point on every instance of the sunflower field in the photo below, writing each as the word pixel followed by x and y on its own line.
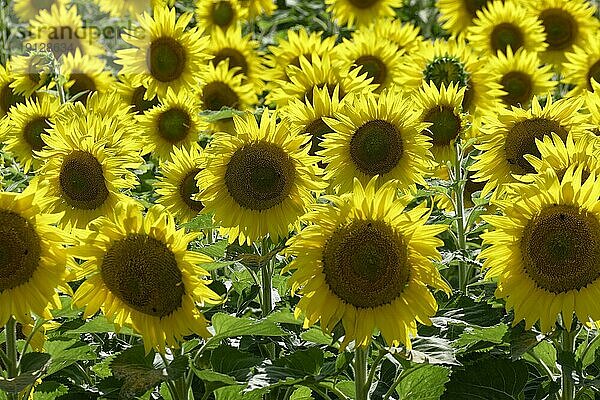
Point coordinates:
pixel 300 199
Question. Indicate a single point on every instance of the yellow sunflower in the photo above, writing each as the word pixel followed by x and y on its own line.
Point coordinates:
pixel 257 8
pixel 242 52
pixel 85 75
pixel 567 23
pixel 456 16
pixel 307 117
pixel 219 14
pixel 521 76
pixel 177 187
pixel 26 10
pixel 366 261
pixel 139 273
pixel 30 73
pixel 376 136
pixel 317 73
pixel 130 7
pixel 592 108
pixel 175 123
pixel 84 176
pixel 583 65
pixel 288 51
pixel 404 35
pixel 452 61
pixel 61 31
pixel 135 95
pixel 8 96
pixel 361 12
pixel 34 259
pixel 442 109
pixel 380 59
pixel 544 249
pixel 26 123
pixel 511 134
pixel 502 24
pixel 165 54
pixel 259 181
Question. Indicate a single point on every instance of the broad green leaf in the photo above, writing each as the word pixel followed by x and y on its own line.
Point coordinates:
pixel 473 336
pixel 316 335
pixel 238 392
pixel 302 393
pixel 233 362
pixel 423 382
pixel 100 324
pixel 67 351
pixel 432 350
pixel 178 367
pixel 298 367
pixel 49 390
pixel 34 362
pixel 490 379
pixel 201 222
pixel 227 326
pixel 33 366
pixel 215 250
pixel 212 376
pixel 136 370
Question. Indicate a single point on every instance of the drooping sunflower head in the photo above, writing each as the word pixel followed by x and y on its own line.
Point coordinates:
pixel 219 14
pixel 360 261
pixel 521 76
pixel 442 110
pixel 567 23
pixel 167 53
pixel 583 65
pixel 361 12
pixel 26 124
pixel 177 186
pixel 457 15
pixel 259 181
pixel 501 25
pixel 376 136
pixel 508 137
pixel 140 273
pixel 175 123
pixel 32 256
pixel 86 74
pixel 544 248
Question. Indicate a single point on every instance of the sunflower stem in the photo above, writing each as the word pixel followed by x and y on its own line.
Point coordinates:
pixel 360 372
pixel 11 351
pixel 4 50
pixel 266 278
pixel 568 346
pixel 463 278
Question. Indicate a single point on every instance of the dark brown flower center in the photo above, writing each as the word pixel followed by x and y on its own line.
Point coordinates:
pixel 174 125
pixel 446 125
pixel 518 86
pixel 188 188
pixel 376 147
pixel 473 6
pixel 83 84
pixel 317 129
pixel 235 57
pixel 216 95
pixel 139 103
pixel 561 28
pixel 504 35
pixel 363 3
pixel 166 59
pixel 223 14
pixel 32 132
pixel 82 181
pixel 374 67
pixel 593 73
pixel 9 98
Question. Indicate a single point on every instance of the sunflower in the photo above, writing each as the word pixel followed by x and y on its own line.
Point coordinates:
pixel 85 75
pixel 255 8
pixel 84 176
pixel 177 185
pixel 456 16
pixel 404 35
pixel 376 136
pixel 317 73
pixel 307 117
pixel 592 108
pixel 502 24
pixel 583 65
pixel 219 14
pixel 222 87
pixel 34 259
pixel 544 249
pixel 452 61
pixel 61 31
pixel 130 7
pixel 521 76
pixel 567 23
pixel 30 73
pixel 366 261
pixel 242 52
pixel 26 10
pixel 288 51
pixel 380 59
pixel 26 123
pixel 259 181
pixel 139 273
pixel 511 134
pixel 442 110
pixel 361 12
pixel 8 96
pixel 165 54
pixel 175 123
pixel 135 95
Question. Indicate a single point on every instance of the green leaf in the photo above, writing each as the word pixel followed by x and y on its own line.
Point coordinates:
pixel 33 366
pixel 67 351
pixel 490 379
pixel 136 370
pixel 178 367
pixel 302 393
pixel 201 222
pixel 50 390
pixel 299 367
pixel 211 376
pixel 424 382
pixel 233 362
pixel 432 350
pixel 100 324
pixel 316 335
pixel 215 250
pixel 588 358
pixel 475 335
pixel 213 266
pixel 214 116
pixel 237 392
pixel 227 326
pixel 34 361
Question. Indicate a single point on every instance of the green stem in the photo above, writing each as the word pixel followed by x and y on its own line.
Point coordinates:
pixel 463 274
pixel 360 373
pixel 11 352
pixel 3 25
pixel 38 325
pixel 373 370
pixel 567 383
pixel 266 278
